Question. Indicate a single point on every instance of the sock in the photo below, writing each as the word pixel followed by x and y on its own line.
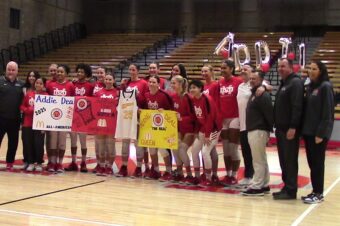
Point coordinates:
pixel 74 158
pixel 168 169
pixel 229 173
pixel 234 173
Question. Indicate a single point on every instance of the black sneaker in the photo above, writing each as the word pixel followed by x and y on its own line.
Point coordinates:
pixel 266 190
pixel 278 192
pixel 284 196
pixel 253 192
pixel 307 196
pixel 313 199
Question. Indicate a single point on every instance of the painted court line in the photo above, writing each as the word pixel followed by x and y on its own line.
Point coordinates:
pixel 52 192
pixel 57 218
pixel 312 206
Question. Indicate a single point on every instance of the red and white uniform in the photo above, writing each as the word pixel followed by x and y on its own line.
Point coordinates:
pixel 60 89
pixel 184 106
pixel 228 90
pixel 98 86
pixel 27 107
pixel 49 81
pixel 207 116
pixel 212 89
pixel 159 100
pixel 108 93
pixel 83 88
pixel 141 86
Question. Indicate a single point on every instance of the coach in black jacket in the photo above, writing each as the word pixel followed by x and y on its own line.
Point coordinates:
pixel 287 117
pixel 259 122
pixel 318 120
pixel 11 94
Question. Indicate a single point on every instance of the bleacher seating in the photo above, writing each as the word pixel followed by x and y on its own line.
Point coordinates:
pixel 98 49
pixel 199 51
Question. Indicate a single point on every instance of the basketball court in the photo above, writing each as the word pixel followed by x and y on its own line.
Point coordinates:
pixel 87 199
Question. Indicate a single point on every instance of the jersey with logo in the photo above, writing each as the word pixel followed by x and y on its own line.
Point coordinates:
pixel 60 89
pixel 97 87
pixel 183 105
pixel 228 97
pixel 207 116
pixel 127 115
pixel 83 88
pixel 107 93
pixel 156 101
pixel 212 89
pixel 27 107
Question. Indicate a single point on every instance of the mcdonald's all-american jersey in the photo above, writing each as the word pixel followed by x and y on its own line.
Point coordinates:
pixel 228 97
pixel 127 115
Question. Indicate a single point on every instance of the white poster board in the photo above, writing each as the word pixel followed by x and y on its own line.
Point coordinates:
pixel 53 113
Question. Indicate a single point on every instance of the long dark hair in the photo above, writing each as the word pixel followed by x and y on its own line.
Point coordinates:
pixel 323 71
pixel 182 71
pixel 36 76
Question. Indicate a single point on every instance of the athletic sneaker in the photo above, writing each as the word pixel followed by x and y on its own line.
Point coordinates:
pixel 38 168
pixel 266 190
pixel 205 183
pixel 165 177
pixel 203 177
pixel 100 171
pixel 226 180
pixel 72 167
pixel 313 199
pixel 108 170
pixel 123 172
pixel 95 168
pixel 245 182
pixel 253 192
pixel 154 175
pixel 30 168
pixel 177 178
pixel 83 167
pixel 50 167
pixel 137 173
pixel 58 168
pixel 307 196
pixel 147 173
pixel 215 180
pixel 189 180
pixel 195 181
pixel 9 166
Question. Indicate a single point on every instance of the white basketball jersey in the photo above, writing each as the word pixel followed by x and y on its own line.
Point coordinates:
pixel 127 115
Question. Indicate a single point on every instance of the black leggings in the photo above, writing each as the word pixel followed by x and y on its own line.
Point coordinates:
pixel 316 161
pixel 33 145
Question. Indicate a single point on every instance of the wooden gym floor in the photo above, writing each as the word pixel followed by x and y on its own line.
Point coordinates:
pixel 87 199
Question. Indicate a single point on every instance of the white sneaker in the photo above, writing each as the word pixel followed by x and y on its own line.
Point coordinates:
pixel 244 183
pixel 39 168
pixel 30 168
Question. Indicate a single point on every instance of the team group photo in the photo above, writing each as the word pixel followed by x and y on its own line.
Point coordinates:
pixel 173 120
